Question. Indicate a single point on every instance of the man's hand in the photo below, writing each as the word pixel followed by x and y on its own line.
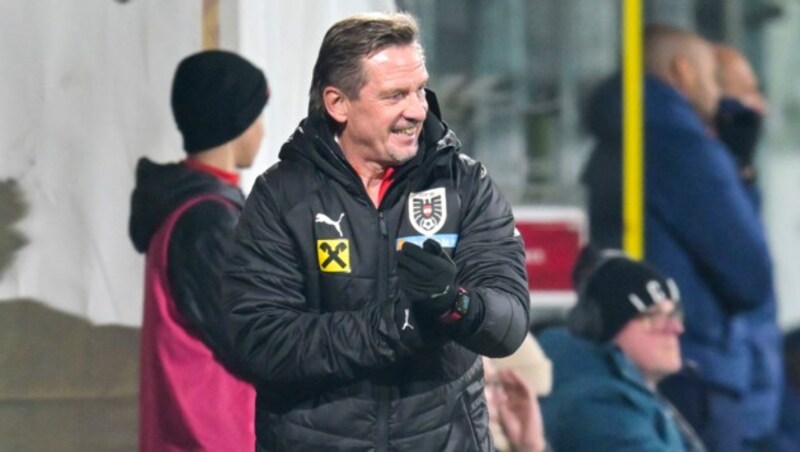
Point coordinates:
pixel 519 413
pixel 739 127
pixel 427 276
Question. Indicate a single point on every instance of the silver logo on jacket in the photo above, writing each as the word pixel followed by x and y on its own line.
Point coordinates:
pixel 427 210
pixel 322 218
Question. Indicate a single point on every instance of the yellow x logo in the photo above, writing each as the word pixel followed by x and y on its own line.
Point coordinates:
pixel 334 255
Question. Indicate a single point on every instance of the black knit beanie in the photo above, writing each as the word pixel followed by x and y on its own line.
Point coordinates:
pixel 216 96
pixel 613 293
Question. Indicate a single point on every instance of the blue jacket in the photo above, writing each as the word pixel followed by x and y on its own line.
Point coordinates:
pixel 702 228
pixel 600 402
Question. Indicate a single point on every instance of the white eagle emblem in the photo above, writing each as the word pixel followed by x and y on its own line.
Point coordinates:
pixel 427 210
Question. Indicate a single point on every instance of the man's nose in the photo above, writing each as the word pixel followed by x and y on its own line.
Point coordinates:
pixel 760 104
pixel 417 107
pixel 676 324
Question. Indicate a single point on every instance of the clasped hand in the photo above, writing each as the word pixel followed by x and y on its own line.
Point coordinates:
pixel 427 276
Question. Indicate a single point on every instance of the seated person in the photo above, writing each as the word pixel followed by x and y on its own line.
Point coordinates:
pixel 621 338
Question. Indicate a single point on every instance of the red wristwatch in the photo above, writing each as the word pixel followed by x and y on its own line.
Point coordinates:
pixel 459 309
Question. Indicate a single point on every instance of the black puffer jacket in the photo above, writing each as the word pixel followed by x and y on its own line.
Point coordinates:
pixel 197 245
pixel 333 368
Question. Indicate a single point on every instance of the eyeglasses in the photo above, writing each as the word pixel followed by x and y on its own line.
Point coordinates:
pixel 660 320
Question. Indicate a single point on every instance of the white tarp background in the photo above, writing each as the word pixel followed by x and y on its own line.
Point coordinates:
pixel 84 92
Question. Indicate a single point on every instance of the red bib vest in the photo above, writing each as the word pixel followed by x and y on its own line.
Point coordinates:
pixel 188 400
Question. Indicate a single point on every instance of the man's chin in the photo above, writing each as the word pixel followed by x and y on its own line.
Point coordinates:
pixel 402 157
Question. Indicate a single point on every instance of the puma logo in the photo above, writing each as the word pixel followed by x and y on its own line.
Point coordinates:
pixel 407 324
pixel 322 218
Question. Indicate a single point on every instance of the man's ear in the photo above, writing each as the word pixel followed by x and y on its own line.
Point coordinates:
pixel 336 103
pixel 684 73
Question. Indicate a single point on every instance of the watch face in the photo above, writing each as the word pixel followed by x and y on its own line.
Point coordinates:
pixel 462 304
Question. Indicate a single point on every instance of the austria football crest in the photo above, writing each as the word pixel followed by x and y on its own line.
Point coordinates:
pixel 427 210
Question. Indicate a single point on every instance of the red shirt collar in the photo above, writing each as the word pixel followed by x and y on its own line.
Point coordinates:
pixel 221 174
pixel 385 183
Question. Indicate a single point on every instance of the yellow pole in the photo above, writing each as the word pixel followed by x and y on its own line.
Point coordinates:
pixel 210 24
pixel 632 130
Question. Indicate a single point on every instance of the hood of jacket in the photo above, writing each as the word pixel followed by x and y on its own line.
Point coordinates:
pixel 603 114
pixel 161 188
pixel 663 103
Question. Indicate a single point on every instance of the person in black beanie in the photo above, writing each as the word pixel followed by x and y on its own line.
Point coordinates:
pixel 614 291
pixel 193 395
pixel 620 340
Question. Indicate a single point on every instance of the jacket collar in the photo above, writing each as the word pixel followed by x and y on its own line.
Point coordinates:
pixel 625 368
pixel 313 142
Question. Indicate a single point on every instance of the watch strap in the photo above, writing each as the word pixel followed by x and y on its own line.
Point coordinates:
pixel 457 311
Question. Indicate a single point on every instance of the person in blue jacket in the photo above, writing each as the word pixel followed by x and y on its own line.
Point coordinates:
pixel 620 340
pixel 703 229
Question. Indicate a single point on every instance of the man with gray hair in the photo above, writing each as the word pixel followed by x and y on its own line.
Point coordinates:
pixel 374 263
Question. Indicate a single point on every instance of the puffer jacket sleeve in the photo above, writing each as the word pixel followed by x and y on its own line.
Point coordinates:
pixel 197 250
pixel 491 260
pixel 282 342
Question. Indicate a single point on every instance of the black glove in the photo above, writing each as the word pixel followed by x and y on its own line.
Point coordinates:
pixel 739 127
pixel 428 277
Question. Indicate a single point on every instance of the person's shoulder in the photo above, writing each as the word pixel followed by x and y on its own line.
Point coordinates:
pixel 690 149
pixel 558 340
pixel 210 212
pixel 285 183
pixel 581 369
pixel 204 226
pixel 668 111
pixel 469 169
pixel 287 170
pixel 466 163
pixel 671 121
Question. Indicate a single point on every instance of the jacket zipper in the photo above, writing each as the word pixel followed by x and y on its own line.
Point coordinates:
pixel 383 283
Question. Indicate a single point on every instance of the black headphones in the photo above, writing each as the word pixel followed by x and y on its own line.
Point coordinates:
pixel 589 318
pixel 585 318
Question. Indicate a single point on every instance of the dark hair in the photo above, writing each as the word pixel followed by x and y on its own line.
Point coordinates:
pixel 347 42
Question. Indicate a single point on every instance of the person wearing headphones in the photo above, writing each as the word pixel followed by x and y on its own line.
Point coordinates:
pixel 620 340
